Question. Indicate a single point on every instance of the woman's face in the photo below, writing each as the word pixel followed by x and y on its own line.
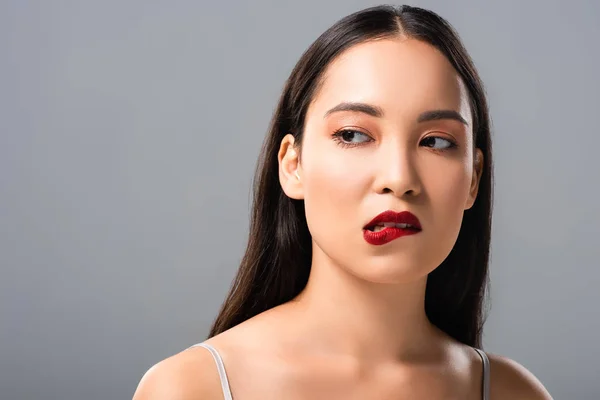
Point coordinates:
pixel 387 152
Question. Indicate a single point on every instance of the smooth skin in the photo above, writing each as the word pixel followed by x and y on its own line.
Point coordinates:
pixel 359 330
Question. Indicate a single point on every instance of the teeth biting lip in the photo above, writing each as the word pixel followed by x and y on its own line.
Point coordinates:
pixel 402 220
pixel 391 225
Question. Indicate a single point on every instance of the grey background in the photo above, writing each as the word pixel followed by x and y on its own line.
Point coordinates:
pixel 129 134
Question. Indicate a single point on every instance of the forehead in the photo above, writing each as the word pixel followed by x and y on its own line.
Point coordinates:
pixel 403 76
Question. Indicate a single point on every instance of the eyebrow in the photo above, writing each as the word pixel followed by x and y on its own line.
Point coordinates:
pixel 375 111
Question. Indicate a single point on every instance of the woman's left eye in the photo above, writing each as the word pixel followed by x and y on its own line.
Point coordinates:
pixel 438 143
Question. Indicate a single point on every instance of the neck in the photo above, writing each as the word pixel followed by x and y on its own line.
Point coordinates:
pixel 344 314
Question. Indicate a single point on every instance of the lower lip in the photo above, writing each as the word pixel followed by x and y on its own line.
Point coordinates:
pixel 386 235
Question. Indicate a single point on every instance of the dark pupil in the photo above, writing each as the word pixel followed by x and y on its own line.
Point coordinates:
pixel 348 136
pixel 430 141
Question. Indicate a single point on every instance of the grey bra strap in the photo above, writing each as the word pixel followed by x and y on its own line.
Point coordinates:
pixel 486 374
pixel 220 368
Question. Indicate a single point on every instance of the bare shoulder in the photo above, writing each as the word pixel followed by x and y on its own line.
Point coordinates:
pixel 511 380
pixel 192 374
pixel 188 375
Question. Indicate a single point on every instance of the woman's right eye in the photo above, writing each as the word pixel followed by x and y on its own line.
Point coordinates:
pixel 346 137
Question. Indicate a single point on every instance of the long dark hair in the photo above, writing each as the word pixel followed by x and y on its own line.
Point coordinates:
pixel 277 261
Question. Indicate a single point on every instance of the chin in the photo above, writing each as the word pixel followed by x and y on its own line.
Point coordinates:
pixel 390 270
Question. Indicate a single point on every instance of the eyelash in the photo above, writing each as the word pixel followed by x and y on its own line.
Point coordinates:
pixel 337 137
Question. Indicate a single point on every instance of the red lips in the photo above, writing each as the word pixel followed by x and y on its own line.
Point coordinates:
pixel 388 234
pixel 404 217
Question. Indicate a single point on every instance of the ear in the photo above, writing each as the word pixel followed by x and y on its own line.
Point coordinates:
pixel 289 168
pixel 477 172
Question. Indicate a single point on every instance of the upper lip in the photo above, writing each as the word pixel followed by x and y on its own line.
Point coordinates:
pixel 404 217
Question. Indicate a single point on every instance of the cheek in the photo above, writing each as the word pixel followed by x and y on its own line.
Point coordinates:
pixel 450 189
pixel 448 193
pixel 333 189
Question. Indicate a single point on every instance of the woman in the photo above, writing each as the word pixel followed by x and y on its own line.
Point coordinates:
pixel 366 267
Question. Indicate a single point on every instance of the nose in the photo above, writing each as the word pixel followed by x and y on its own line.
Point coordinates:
pixel 397 171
